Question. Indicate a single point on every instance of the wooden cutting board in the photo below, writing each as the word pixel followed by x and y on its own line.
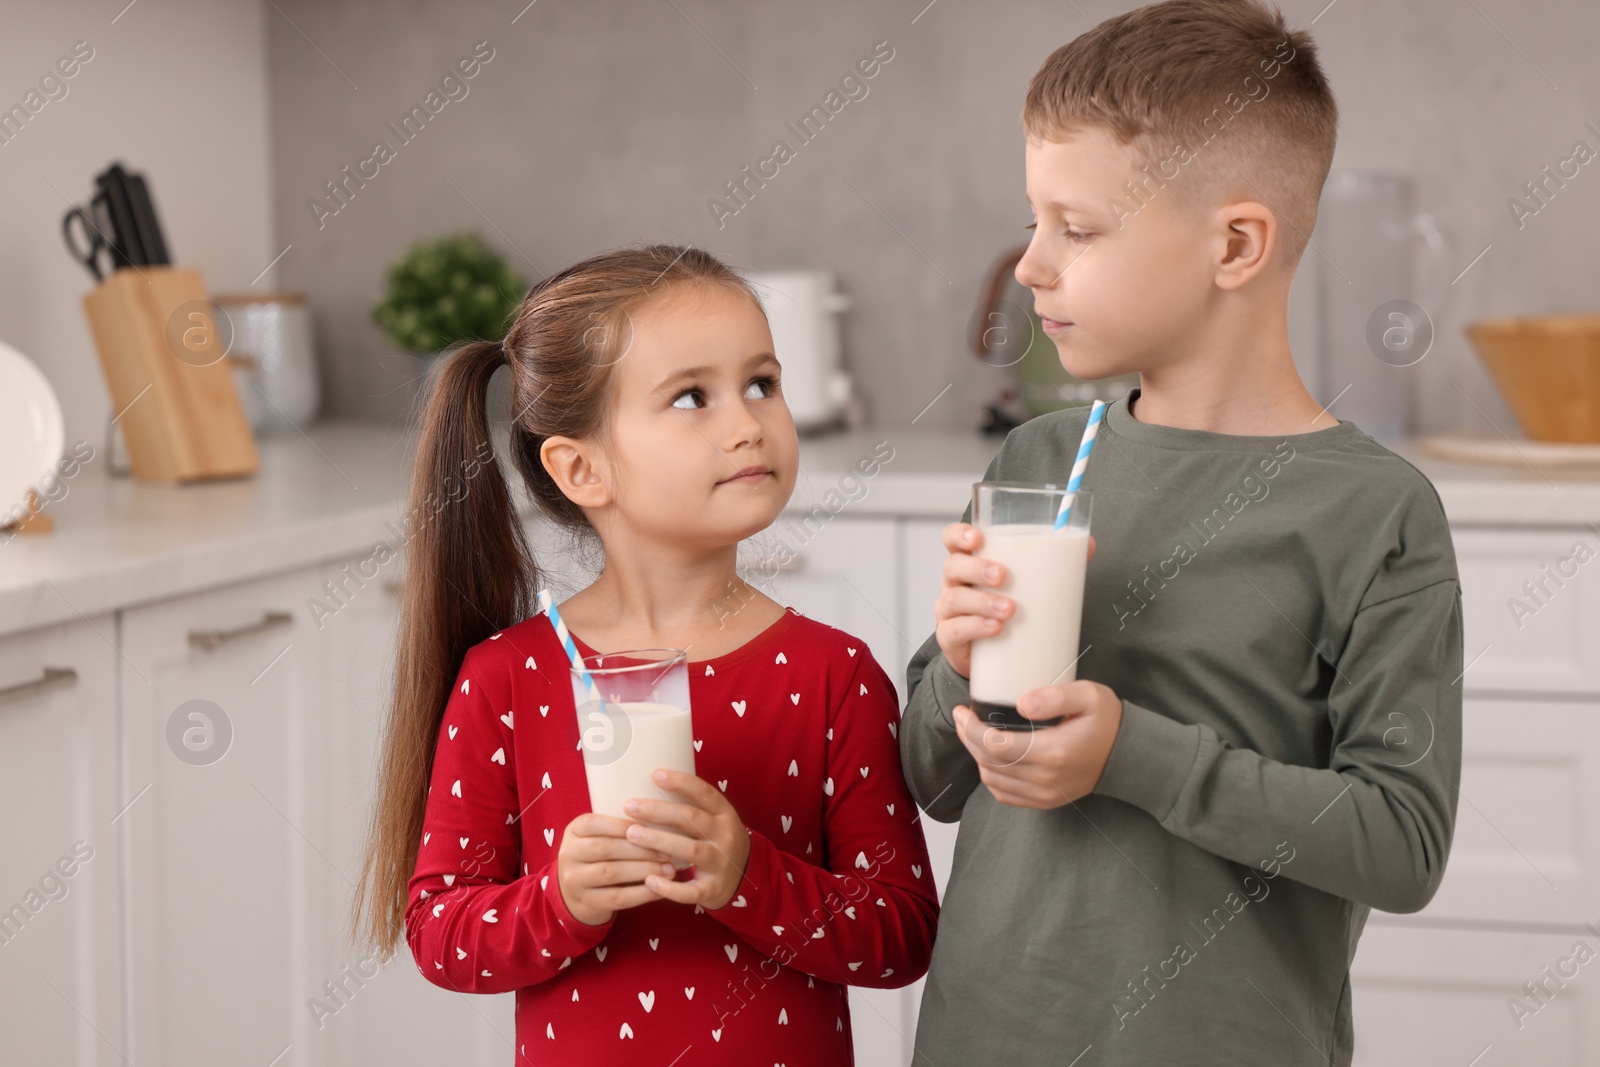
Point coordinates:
pixel 1468 448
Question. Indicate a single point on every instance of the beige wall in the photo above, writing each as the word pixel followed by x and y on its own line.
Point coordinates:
pixel 176 90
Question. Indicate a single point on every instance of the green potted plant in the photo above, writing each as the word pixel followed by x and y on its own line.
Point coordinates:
pixel 448 290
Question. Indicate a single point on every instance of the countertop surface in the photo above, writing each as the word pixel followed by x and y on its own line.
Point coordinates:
pixel 339 488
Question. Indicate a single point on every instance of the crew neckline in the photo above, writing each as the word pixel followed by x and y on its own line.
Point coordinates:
pixel 756 644
pixel 1120 421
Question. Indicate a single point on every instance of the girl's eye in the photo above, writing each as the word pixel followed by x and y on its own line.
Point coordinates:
pixel 768 382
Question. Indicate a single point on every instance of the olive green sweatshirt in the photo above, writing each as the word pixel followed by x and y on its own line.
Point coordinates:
pixel 1281 617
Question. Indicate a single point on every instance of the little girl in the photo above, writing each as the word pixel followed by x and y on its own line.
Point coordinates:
pixel 647 413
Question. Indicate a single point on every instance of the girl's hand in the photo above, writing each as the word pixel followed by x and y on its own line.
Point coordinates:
pixel 702 829
pixel 599 872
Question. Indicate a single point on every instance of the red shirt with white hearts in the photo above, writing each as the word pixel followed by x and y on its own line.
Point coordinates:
pixel 798 728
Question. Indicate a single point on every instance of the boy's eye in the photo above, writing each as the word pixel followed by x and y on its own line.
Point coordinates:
pixel 1076 236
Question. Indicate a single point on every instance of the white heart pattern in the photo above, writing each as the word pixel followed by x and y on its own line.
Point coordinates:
pixel 549 835
pixel 716 1035
pixel 455 790
pixel 732 951
pixel 827 787
pixel 794 768
pixel 722 784
pixel 545 781
pixel 498 757
pixel 916 871
pixel 781 658
pixel 863 688
pixel 788 821
pixel 855 966
pixel 449 879
pixel 648 1000
pixel 426 836
pixel 709 671
pixel 530 664
pixel 697 744
pixel 544 711
pixel 891 809
pixel 863 771
pixel 738 901
pixel 778 930
pixel 437 908
pixel 544 881
pixel 783 1017
pixel 626 1031
pixel 794 698
pixel 453 732
pixel 490 916
pixel 894 730
pixel 688 991
pixel 861 860
pixel 738 708
pixel 506 718
pixel 654 941
pixel 466 683
pixel 600 952
pixel 463 841
pixel 850 650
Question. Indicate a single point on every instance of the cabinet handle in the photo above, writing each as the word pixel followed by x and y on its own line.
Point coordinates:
pixel 209 639
pixel 50 676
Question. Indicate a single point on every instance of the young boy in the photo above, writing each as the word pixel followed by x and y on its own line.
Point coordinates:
pixel 1264 740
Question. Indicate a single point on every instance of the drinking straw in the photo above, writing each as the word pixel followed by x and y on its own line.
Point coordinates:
pixel 1096 412
pixel 549 606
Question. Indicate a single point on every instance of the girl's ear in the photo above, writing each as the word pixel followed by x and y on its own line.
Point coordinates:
pixel 576 471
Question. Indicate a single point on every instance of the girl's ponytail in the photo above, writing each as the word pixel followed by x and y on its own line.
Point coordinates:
pixel 469 571
pixel 468 574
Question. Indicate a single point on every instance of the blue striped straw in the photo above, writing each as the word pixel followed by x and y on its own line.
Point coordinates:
pixel 1096 412
pixel 549 606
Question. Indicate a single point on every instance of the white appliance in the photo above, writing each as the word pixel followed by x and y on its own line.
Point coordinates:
pixel 802 309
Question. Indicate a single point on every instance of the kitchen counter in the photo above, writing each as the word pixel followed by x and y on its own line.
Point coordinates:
pixel 335 491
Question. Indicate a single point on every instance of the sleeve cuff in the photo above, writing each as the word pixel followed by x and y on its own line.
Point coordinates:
pixel 949 689
pixel 582 935
pixel 1150 760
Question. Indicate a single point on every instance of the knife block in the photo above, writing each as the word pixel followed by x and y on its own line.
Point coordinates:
pixel 170 383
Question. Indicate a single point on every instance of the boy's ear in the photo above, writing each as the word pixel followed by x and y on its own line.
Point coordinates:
pixel 1250 233
pixel 575 471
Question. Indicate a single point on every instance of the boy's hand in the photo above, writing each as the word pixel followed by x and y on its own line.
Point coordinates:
pixel 702 829
pixel 1051 765
pixel 964 611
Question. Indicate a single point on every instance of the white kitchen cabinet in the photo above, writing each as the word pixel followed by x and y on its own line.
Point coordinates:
pixel 389 1015
pixel 1527 839
pixel 1531 609
pixel 842 571
pixel 223 757
pixel 61 960
pixel 1442 996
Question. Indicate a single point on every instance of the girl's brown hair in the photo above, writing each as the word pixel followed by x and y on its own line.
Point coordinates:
pixel 471 572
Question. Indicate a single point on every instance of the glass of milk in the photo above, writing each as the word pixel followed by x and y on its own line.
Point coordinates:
pixel 1044 572
pixel 638 722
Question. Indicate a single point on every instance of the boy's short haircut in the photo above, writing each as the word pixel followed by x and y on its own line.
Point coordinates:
pixel 1217 98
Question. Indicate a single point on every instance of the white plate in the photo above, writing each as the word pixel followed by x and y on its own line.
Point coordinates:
pixel 32 434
